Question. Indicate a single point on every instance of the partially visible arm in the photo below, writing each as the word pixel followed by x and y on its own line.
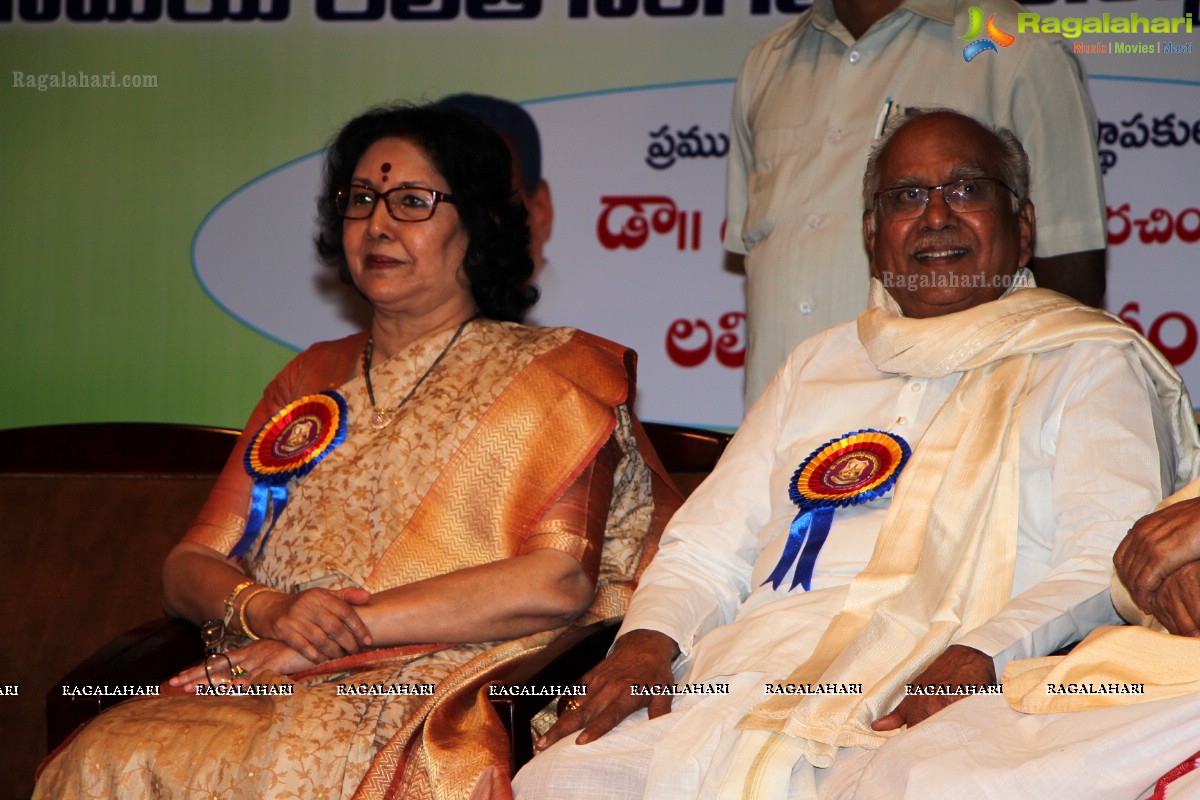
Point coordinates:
pixel 1051 111
pixel 534 591
pixel 1079 275
pixel 196 581
pixel 514 597
pixel 736 168
pixel 197 576
pixel 537 590
pixel 703 567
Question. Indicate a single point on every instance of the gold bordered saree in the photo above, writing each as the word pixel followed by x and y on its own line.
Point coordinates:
pixel 500 452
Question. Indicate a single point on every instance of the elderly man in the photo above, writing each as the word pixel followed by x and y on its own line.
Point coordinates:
pixel 795 596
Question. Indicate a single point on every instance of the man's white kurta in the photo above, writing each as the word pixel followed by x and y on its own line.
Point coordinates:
pixel 1089 466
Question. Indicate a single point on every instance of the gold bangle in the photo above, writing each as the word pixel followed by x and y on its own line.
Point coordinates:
pixel 242 611
pixel 231 598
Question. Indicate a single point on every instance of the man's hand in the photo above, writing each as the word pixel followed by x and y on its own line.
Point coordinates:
pixel 958 666
pixel 638 657
pixel 1157 545
pixel 1176 604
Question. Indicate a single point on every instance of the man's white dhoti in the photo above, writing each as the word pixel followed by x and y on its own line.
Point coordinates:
pixel 979 748
pixel 680 755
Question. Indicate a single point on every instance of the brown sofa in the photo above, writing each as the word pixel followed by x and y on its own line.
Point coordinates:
pixel 87 515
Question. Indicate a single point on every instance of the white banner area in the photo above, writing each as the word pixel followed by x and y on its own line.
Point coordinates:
pixel 1150 150
pixel 638 179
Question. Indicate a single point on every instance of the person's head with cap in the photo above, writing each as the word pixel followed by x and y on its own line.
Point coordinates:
pixel 519 131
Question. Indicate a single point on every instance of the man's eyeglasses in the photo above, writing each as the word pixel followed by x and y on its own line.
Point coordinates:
pixel 966 196
pixel 404 203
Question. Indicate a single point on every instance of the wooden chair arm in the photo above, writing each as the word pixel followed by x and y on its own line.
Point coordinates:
pixel 562 663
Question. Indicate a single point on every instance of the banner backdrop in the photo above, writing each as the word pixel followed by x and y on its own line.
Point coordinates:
pixel 159 164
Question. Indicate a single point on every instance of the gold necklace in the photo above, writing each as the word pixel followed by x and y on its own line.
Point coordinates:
pixel 382 417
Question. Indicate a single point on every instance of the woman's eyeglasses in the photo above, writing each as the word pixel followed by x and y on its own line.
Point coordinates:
pixel 404 203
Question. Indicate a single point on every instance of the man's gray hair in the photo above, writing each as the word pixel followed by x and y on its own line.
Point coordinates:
pixel 1014 162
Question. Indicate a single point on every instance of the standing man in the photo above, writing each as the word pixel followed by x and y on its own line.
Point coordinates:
pixel 812 99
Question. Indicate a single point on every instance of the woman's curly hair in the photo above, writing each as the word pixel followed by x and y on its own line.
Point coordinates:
pixel 477 165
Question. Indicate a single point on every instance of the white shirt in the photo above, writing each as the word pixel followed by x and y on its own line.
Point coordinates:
pixel 1090 465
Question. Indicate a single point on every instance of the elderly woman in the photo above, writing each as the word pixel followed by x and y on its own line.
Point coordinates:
pixel 449 476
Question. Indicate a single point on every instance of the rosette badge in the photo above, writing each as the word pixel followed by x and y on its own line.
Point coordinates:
pixel 288 446
pixel 851 469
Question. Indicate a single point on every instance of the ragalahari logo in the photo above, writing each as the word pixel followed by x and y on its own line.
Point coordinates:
pixel 994 37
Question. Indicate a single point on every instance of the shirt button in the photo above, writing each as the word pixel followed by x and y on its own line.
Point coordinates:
pixel 836 136
pixel 853 57
pixel 814 220
pixel 805 308
pixel 902 421
pixel 916 387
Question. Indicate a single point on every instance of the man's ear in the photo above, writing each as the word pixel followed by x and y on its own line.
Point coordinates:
pixel 1027 225
pixel 869 237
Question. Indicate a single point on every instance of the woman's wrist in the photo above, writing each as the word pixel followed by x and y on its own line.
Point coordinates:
pixel 247 628
pixel 231 601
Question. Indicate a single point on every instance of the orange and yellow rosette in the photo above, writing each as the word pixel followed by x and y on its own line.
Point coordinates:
pixel 288 446
pixel 851 469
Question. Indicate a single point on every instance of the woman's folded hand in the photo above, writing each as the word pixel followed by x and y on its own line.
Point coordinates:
pixel 317 623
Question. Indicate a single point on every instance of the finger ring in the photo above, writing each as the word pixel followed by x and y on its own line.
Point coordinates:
pixel 239 671
pixel 573 704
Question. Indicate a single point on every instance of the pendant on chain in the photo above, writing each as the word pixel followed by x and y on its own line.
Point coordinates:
pixel 381 418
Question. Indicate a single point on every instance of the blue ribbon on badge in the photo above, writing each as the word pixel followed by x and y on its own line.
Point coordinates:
pixel 851 469
pixel 288 446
